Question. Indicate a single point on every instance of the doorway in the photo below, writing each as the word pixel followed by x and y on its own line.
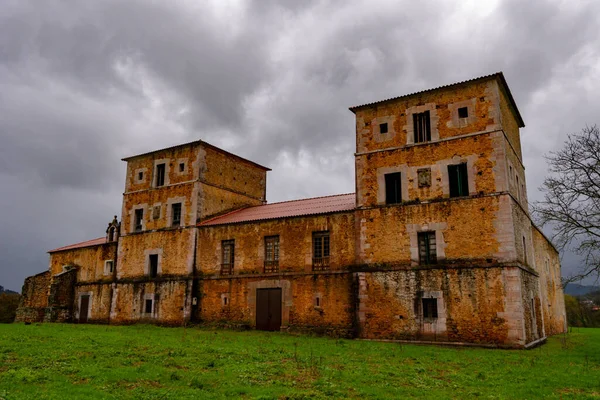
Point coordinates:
pixel 84 306
pixel 268 309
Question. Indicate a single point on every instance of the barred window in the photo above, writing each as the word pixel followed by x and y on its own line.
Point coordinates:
pixel 320 250
pixel 271 254
pixel 427 248
pixel 227 249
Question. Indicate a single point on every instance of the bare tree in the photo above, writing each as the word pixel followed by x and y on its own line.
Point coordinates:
pixel 571 205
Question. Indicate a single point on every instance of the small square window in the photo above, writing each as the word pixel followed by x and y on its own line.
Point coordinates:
pixel 181 167
pixel 463 112
pixel 383 128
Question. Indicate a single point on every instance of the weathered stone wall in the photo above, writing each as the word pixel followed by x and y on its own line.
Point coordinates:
pixel 223 170
pixel 99 303
pixel 34 298
pixel 469 303
pixel 333 315
pixel 89 261
pixel 484 155
pixel 171 302
pixel 174 247
pixel 532 310
pixel 466 231
pixel 295 243
pixel 551 292
pixel 189 155
pixel 61 297
pixel 481 99
pixel 510 126
pixel 214 200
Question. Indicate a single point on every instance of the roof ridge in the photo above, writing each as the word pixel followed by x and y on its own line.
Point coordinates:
pixel 308 198
pixel 493 75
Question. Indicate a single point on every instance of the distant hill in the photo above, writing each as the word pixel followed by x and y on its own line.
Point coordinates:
pixel 2 290
pixel 575 289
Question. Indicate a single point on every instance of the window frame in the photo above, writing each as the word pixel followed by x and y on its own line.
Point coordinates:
pixel 160 171
pixel 138 220
pixel 227 267
pixel 397 193
pixel 384 128
pixel 176 222
pixel 430 308
pixel 271 256
pixel 458 180
pixel 153 272
pixel 422 127
pixel 321 259
pixel 424 243
pixel 109 271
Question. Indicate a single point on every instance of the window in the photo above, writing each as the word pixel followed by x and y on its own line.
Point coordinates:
pixel 383 128
pixel 459 182
pixel 427 248
pixel 139 217
pixel 430 309
pixel 393 192
pixel 108 267
pixel 422 127
pixel 176 214
pixel 463 112
pixel 160 175
pixel 153 265
pixel 148 306
pixel 271 254
pixel 140 176
pixel 181 167
pixel 320 251
pixel 227 250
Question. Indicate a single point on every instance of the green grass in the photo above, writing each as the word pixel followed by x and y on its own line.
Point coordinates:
pixel 54 361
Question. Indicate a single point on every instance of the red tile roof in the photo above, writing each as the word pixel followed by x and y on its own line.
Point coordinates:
pixel 293 208
pixel 89 243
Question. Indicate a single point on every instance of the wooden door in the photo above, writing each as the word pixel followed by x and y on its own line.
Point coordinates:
pixel 268 309
pixel 84 308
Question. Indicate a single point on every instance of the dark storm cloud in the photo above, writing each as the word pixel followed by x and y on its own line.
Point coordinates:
pixel 83 84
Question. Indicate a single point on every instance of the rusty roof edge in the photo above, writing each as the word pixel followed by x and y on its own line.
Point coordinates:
pixel 199 142
pixel 253 220
pixel 70 246
pixel 496 75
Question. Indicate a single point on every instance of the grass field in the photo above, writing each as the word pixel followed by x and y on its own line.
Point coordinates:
pixel 53 361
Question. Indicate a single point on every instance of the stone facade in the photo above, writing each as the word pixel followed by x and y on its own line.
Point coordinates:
pixel 454 258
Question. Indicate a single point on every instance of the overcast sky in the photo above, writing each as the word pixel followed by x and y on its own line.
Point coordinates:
pixel 85 83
